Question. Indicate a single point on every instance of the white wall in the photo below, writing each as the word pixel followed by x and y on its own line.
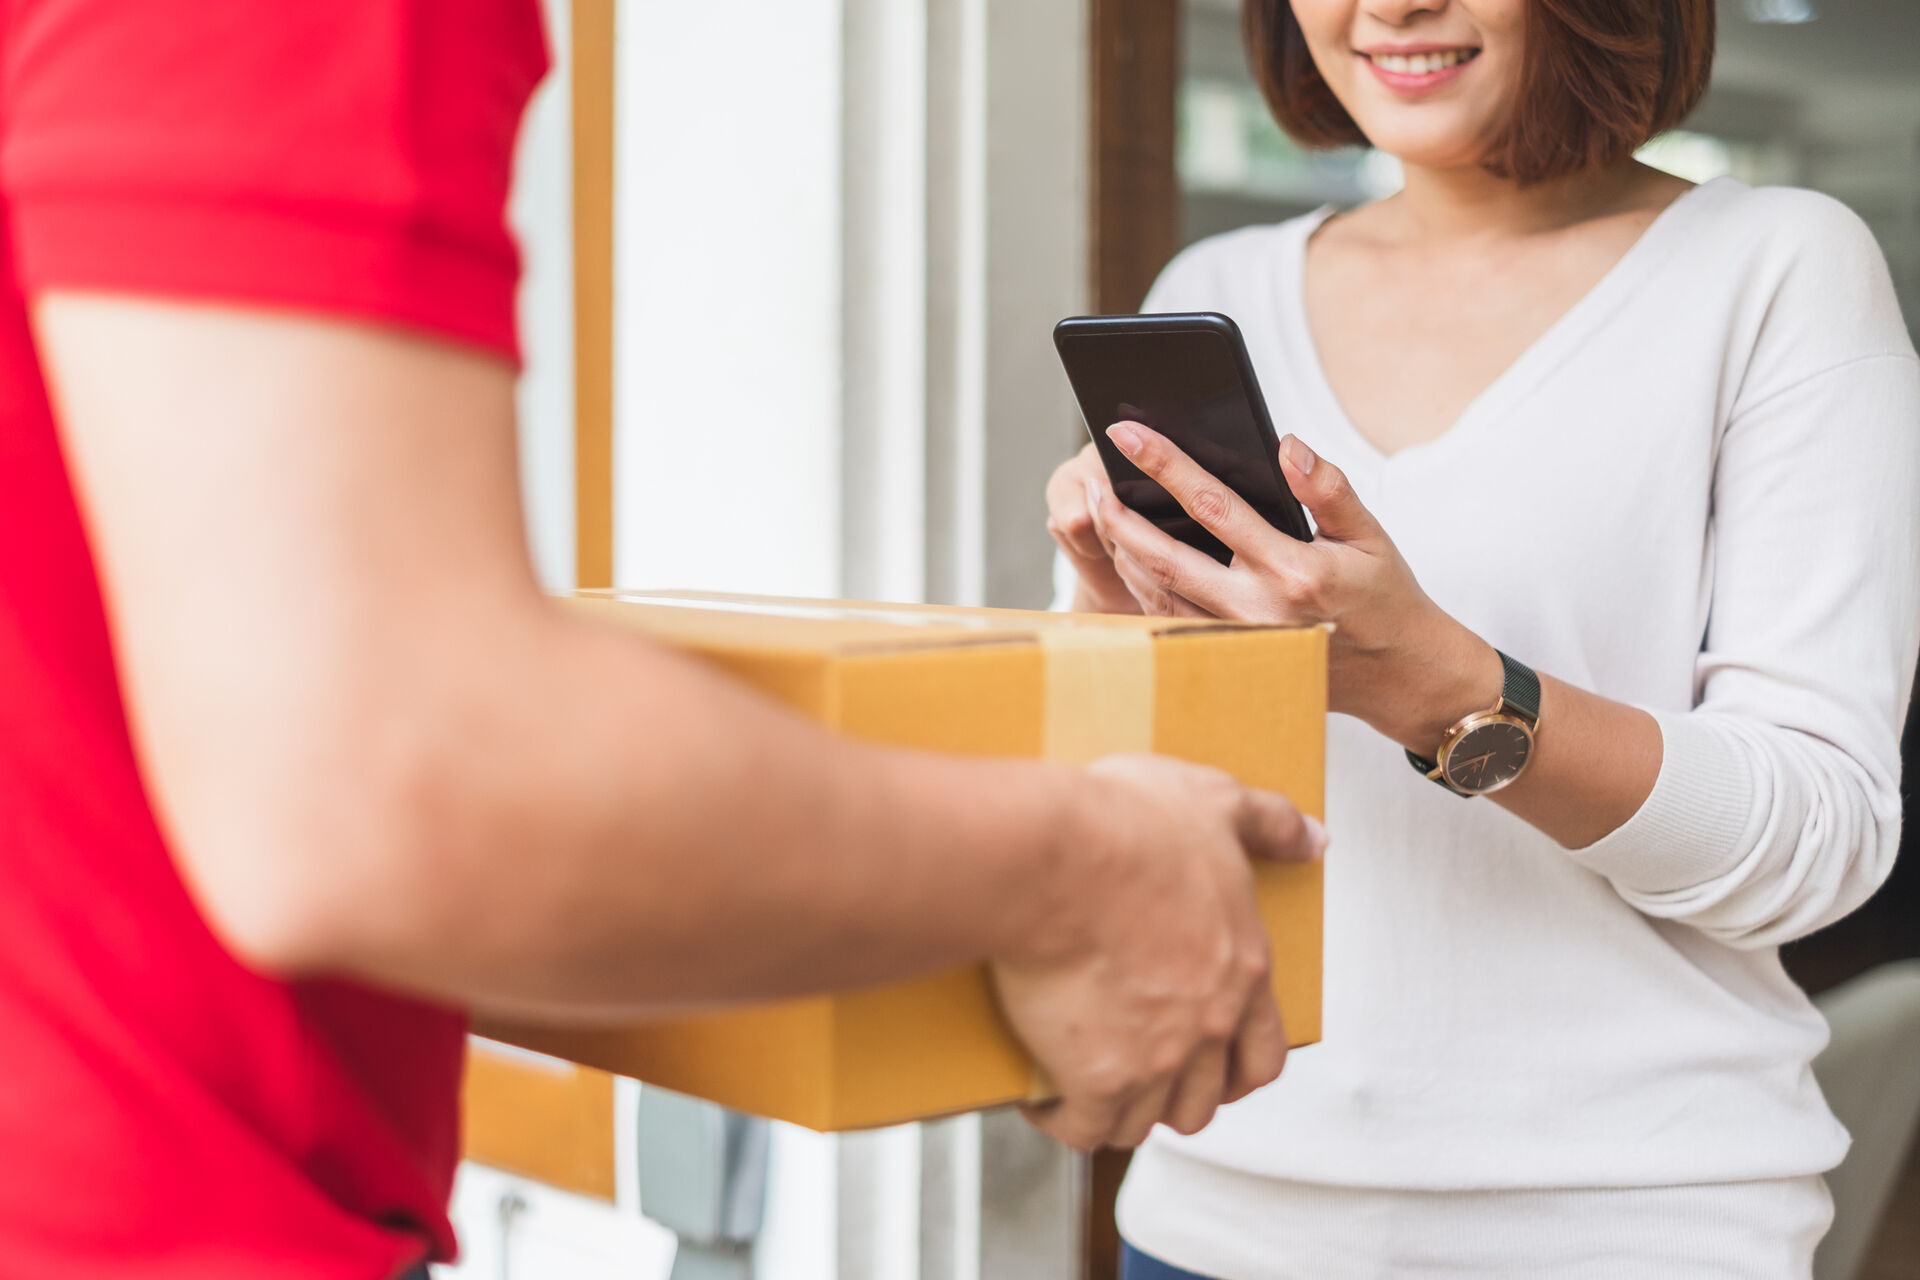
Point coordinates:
pixel 727 347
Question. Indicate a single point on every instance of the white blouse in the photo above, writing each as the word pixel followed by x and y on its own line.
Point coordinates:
pixel 1698 493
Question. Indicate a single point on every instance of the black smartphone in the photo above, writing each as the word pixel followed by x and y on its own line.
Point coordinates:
pixel 1188 377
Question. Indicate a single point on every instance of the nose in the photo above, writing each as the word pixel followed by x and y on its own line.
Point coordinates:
pixel 1398 13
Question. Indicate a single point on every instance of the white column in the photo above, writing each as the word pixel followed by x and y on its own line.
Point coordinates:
pixel 956 317
pixel 1006 251
pixel 1036 268
pixel 950 1199
pixel 1006 178
pixel 884 308
pixel 879 1230
pixel 727 315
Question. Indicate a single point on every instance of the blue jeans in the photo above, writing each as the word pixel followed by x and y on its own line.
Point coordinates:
pixel 1135 1265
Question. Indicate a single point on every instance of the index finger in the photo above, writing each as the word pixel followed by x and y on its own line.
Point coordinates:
pixel 1069 518
pixel 1213 505
pixel 1078 1123
pixel 1273 830
pixel 1259 1051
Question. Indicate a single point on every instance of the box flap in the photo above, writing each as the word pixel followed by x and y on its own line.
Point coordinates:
pixel 712 620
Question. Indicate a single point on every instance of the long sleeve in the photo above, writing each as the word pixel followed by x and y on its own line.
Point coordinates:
pixel 1777 808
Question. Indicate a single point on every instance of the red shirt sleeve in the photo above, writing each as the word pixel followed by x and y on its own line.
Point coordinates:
pixel 341 156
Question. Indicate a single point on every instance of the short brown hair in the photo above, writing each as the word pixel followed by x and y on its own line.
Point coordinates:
pixel 1600 77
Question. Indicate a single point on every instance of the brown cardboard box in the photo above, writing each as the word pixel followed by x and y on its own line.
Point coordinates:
pixel 541 1118
pixel 1251 700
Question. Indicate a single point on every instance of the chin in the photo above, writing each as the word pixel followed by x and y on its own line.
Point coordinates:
pixel 1428 145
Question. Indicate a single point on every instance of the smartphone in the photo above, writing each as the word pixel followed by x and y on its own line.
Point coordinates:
pixel 1188 377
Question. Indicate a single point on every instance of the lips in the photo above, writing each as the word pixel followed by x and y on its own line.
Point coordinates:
pixel 1418 69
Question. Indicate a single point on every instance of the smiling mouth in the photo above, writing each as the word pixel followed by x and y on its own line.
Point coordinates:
pixel 1428 63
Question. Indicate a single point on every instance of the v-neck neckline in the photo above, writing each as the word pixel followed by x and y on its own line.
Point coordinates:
pixel 1540 357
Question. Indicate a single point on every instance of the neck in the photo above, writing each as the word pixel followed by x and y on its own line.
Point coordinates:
pixel 1467 202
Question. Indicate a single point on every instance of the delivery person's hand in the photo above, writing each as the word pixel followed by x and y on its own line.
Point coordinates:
pixel 1070 521
pixel 1146 1000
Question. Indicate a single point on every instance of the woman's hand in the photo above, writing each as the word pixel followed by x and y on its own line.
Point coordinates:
pixel 1397 660
pixel 1070 494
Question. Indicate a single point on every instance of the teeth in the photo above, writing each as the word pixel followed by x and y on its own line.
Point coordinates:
pixel 1420 64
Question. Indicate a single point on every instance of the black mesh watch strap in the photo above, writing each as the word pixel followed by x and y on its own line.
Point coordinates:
pixel 1521 688
pixel 1431 771
pixel 1519 693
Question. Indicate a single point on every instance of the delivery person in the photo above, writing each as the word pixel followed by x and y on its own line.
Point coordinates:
pixel 297 763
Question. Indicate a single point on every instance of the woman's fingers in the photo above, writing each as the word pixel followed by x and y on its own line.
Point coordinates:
pixel 1151 596
pixel 1212 504
pixel 1147 556
pixel 1082 546
pixel 1095 499
pixel 1071 493
pixel 1073 530
pixel 1069 518
pixel 1324 491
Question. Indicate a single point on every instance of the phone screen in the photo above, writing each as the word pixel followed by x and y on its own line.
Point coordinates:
pixel 1187 384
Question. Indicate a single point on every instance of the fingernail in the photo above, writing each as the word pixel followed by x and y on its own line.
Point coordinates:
pixel 1316 835
pixel 1093 498
pixel 1124 437
pixel 1299 455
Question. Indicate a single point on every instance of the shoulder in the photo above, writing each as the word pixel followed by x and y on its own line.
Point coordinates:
pixel 1805 245
pixel 1212 274
pixel 1793 226
pixel 1807 279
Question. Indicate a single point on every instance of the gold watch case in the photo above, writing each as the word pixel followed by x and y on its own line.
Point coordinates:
pixel 1485 752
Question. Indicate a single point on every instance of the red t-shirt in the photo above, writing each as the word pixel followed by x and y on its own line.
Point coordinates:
pixel 164 1112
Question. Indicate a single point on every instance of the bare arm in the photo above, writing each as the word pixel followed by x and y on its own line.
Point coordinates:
pixel 337 654
pixel 378 749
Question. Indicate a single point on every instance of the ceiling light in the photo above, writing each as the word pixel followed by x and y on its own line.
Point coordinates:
pixel 1788 11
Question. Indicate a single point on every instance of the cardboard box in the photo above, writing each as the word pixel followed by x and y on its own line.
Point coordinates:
pixel 541 1118
pixel 1248 699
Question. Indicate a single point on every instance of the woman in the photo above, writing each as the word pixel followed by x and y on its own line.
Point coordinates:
pixel 1660 444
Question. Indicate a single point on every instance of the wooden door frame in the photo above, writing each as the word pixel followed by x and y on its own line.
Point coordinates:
pixel 1133 229
pixel 590 48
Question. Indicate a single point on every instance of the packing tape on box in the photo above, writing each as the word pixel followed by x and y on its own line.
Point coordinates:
pixel 1099 692
pixel 1099 702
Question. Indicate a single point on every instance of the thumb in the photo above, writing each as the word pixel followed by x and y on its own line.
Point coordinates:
pixel 1323 490
pixel 1272 830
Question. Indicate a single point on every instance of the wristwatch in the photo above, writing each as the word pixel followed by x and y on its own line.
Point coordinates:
pixel 1489 749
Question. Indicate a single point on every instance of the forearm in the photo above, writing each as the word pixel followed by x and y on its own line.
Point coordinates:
pixel 1593 765
pixel 1752 831
pixel 378 748
pixel 617 826
pixel 1594 760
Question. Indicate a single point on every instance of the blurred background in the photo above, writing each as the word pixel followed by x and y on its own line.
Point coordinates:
pixel 821 244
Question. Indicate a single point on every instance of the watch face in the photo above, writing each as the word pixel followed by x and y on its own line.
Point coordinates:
pixel 1488 756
